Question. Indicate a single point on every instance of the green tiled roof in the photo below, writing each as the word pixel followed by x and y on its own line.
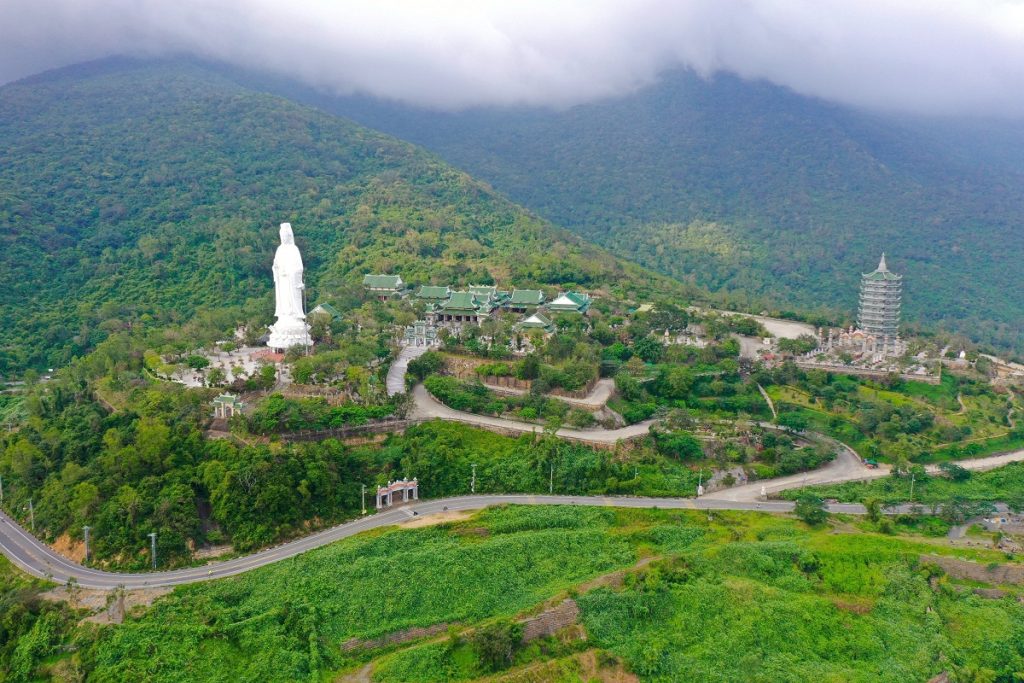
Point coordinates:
pixel 466 301
pixel 570 301
pixel 536 321
pixel 326 308
pixel 432 292
pixel 483 290
pixel 382 281
pixel 527 297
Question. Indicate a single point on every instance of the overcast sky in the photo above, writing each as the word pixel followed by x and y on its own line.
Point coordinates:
pixel 925 56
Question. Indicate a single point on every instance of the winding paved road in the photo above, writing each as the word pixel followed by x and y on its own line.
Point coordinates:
pixel 38 559
pixel 427 407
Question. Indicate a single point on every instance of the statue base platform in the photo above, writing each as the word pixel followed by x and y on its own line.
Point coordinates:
pixel 286 334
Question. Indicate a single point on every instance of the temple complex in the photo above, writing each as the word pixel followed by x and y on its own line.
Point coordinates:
pixel 878 316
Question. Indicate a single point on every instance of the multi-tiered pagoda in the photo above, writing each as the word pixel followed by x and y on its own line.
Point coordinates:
pixel 881 294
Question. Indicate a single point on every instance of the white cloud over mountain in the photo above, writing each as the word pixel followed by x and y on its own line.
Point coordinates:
pixel 930 56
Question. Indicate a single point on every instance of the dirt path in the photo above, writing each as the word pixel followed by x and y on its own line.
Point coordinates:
pixel 769 401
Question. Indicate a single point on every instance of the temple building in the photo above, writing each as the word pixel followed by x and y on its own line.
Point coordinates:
pixel 384 287
pixel 432 294
pixel 881 293
pixel 463 307
pixel 570 302
pixel 524 300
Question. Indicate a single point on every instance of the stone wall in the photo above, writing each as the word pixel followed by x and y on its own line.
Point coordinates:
pixel 550 621
pixel 972 571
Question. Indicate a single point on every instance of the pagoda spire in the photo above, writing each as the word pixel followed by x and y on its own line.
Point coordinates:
pixel 881 264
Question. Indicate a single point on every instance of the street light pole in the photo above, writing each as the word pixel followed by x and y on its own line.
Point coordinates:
pixel 152 548
pixel 364 499
pixel 472 482
pixel 85 530
pixel 912 474
pixel 32 515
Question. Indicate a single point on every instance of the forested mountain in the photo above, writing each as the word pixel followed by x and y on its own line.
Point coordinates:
pixel 748 188
pixel 140 193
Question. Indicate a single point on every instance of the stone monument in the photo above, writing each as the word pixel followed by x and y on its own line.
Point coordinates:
pixel 291 328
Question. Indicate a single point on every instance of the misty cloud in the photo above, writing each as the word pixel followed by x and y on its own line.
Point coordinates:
pixel 938 56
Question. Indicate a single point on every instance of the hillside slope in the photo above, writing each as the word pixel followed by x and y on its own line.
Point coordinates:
pixel 748 188
pixel 137 192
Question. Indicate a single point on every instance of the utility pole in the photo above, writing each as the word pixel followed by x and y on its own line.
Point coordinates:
pixel 152 548
pixel 85 530
pixel 364 499
pixel 472 482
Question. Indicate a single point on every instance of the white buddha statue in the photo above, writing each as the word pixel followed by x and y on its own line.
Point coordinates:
pixel 291 328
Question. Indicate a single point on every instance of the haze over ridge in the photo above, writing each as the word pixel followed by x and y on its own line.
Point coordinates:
pixel 948 57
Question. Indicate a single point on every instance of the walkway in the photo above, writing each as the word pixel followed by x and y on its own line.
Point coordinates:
pixel 426 407
pixel 597 397
pixel 395 382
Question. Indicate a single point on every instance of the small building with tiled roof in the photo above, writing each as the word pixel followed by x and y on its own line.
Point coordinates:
pixel 384 287
pixel 463 307
pixel 523 300
pixel 537 321
pixel 569 302
pixel 433 294
pixel 326 309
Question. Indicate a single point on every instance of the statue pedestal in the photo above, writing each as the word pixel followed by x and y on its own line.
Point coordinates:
pixel 287 333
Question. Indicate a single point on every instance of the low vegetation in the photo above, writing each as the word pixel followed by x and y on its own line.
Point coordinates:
pixel 796 602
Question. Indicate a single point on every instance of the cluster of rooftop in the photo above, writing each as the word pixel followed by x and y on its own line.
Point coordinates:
pixel 450 307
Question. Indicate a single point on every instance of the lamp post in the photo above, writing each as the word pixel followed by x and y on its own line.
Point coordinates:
pixel 152 548
pixel 364 499
pixel 472 482
pixel 912 474
pixel 85 535
pixel 32 515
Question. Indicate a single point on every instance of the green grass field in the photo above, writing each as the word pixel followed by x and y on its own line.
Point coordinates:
pixel 1004 484
pixel 740 597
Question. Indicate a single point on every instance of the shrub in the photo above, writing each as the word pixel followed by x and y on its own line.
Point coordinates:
pixel 811 509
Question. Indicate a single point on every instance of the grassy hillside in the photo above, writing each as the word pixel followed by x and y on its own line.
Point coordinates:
pixel 737 597
pixel 743 187
pixel 139 193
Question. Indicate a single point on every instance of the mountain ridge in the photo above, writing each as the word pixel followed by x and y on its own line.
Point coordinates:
pixel 802 195
pixel 149 192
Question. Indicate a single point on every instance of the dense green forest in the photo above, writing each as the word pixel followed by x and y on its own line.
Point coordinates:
pixel 140 193
pixel 747 188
